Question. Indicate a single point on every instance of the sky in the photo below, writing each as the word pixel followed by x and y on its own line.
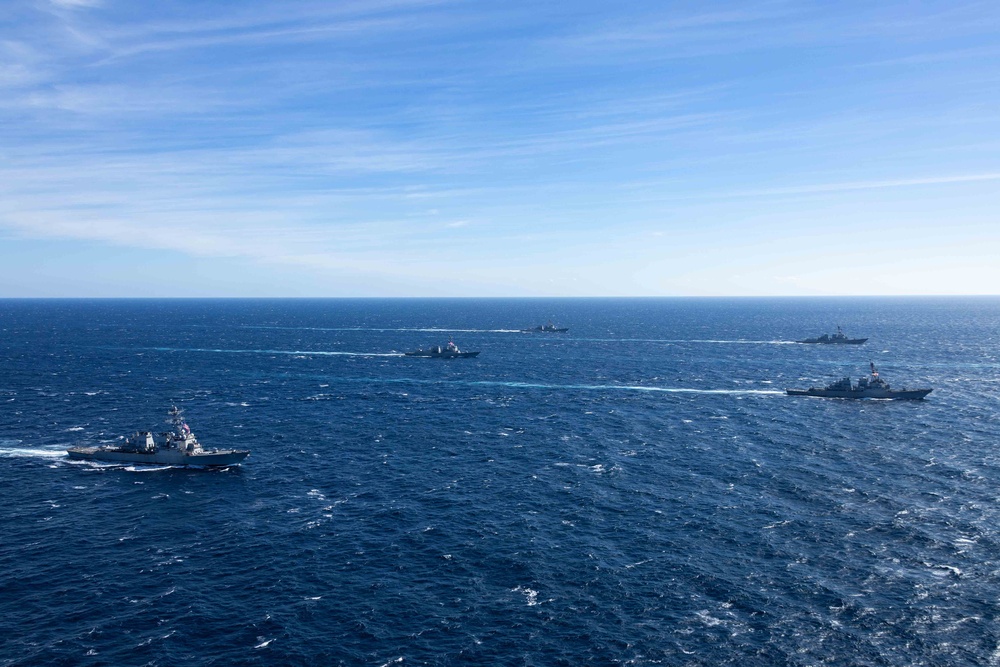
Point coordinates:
pixel 486 148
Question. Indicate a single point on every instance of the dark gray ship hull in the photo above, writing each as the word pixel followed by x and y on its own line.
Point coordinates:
pixel 222 457
pixel 442 355
pixel 899 394
pixel 832 341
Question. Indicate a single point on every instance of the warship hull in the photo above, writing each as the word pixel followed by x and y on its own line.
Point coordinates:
pixel 225 457
pixel 899 394
pixel 442 355
pixel 833 341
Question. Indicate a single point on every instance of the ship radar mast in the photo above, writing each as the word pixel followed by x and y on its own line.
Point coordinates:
pixel 176 419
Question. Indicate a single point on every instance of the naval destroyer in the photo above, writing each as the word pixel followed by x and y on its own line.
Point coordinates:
pixel 872 386
pixel 546 328
pixel 177 446
pixel 449 351
pixel 839 338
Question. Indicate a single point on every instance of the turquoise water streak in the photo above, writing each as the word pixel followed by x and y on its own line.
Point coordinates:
pixel 637 491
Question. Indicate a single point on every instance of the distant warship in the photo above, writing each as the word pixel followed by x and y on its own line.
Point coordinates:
pixel 867 387
pixel 839 338
pixel 175 447
pixel 449 351
pixel 546 328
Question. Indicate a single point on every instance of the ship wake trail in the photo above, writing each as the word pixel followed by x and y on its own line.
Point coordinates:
pixel 31 452
pixel 615 387
pixel 687 341
pixel 296 353
pixel 573 387
pixel 386 329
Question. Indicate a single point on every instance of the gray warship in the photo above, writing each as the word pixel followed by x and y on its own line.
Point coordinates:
pixel 867 387
pixel 546 328
pixel 449 351
pixel 839 338
pixel 175 447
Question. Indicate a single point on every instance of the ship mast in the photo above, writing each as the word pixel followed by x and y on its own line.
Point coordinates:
pixel 176 419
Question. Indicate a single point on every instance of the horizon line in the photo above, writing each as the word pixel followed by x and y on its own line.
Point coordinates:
pixel 415 298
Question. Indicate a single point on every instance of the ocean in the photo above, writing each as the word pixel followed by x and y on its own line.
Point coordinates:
pixel 637 491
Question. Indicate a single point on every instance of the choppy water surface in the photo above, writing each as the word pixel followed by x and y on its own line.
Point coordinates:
pixel 638 491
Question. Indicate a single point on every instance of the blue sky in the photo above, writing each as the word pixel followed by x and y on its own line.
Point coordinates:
pixel 437 148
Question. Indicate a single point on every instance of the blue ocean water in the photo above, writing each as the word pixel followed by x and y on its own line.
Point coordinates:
pixel 638 491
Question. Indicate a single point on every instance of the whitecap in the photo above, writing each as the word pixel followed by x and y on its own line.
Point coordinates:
pixel 707 618
pixel 530 595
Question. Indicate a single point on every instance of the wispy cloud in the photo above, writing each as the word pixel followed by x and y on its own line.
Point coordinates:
pixel 397 136
pixel 258 24
pixel 76 4
pixel 869 185
pixel 931 57
pixel 682 34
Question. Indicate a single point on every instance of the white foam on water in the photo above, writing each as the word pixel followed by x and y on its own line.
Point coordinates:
pixel 681 341
pixel 944 570
pixel 89 464
pixel 30 452
pixel 303 354
pixel 531 596
pixel 622 387
pixel 706 617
